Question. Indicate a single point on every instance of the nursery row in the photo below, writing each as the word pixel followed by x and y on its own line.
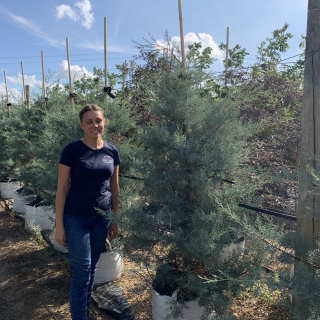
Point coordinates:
pixel 178 143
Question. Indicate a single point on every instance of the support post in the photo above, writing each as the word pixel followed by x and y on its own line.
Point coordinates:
pixel 183 56
pixel 27 91
pixel 43 78
pixel 105 57
pixel 308 208
pixel 22 75
pixel 70 80
pixel 226 62
pixel 7 94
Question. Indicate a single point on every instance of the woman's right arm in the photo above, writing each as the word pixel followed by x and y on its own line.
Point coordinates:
pixel 61 195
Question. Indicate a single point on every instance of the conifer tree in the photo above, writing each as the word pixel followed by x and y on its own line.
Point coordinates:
pixel 6 163
pixel 186 208
pixel 37 136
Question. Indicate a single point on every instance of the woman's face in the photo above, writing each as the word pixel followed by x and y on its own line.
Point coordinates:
pixel 92 124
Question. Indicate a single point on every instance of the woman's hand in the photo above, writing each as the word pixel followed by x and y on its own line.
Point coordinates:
pixel 113 231
pixel 60 236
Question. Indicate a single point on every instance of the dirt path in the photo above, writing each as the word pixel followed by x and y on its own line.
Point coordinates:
pixel 34 279
pixel 34 282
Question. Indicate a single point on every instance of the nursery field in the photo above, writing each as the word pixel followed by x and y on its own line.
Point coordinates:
pixel 34 281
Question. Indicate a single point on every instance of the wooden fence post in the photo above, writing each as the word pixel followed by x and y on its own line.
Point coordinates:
pixel 27 91
pixel 22 75
pixel 70 80
pixel 226 63
pixel 308 208
pixel 7 94
pixel 105 57
pixel 43 77
pixel 183 56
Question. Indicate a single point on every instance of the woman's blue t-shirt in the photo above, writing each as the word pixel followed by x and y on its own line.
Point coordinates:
pixel 90 177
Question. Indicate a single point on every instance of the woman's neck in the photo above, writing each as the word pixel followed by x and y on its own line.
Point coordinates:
pixel 94 144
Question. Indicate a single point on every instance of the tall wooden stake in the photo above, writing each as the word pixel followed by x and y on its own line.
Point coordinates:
pixel 7 94
pixel 308 209
pixel 43 78
pixel 105 57
pixel 27 91
pixel 22 75
pixel 183 56
pixel 226 63
pixel 70 80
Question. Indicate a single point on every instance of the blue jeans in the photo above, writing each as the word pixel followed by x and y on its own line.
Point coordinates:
pixel 85 237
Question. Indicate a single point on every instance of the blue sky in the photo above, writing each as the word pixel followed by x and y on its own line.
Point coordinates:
pixel 31 26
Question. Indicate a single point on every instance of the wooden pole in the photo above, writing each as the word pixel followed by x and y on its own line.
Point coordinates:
pixel 23 91
pixel 27 92
pixel 69 70
pixel 308 208
pixel 7 94
pixel 43 79
pixel 124 74
pixel 105 57
pixel 5 83
pixel 226 63
pixel 183 56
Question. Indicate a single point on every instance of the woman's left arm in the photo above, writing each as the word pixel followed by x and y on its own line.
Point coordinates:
pixel 115 192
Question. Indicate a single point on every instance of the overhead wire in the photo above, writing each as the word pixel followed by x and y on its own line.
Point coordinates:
pixel 79 60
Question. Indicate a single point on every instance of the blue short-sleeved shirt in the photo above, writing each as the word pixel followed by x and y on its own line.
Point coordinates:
pixel 90 177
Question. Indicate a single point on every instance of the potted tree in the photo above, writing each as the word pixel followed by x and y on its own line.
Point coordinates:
pixel 194 145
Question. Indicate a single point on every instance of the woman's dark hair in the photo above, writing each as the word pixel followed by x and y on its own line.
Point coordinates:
pixel 89 107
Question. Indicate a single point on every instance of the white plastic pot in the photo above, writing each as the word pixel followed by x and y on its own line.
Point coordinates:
pixel 18 202
pixel 110 266
pixel 161 308
pixel 7 189
pixel 41 216
pixel 193 311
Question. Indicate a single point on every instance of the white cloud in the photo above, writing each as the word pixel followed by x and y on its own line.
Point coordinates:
pixel 77 72
pixel 82 12
pixel 33 28
pixel 14 94
pixel 205 39
pixel 85 11
pixel 28 80
pixel 65 11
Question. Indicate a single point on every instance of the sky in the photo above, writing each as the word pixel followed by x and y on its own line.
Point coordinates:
pixel 30 27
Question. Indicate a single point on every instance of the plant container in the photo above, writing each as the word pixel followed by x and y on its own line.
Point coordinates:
pixel 7 188
pixel 38 215
pixel 19 200
pixel 110 265
pixel 161 306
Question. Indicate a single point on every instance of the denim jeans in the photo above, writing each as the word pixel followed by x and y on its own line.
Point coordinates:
pixel 85 237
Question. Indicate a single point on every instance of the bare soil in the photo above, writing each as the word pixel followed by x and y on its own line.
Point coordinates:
pixel 34 281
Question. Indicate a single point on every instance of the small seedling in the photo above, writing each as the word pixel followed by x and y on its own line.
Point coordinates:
pixel 12 213
pixel 35 232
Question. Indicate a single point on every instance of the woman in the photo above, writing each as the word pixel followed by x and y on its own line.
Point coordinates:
pixel 83 211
